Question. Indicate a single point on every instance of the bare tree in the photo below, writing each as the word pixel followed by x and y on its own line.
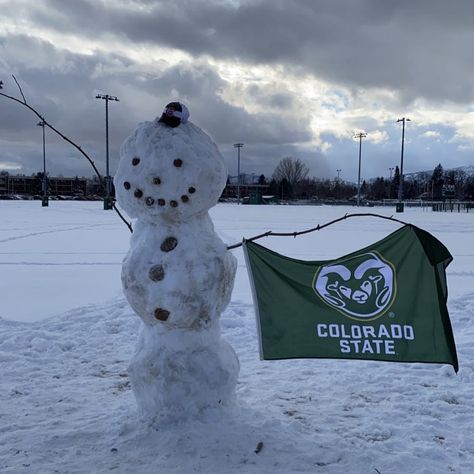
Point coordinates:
pixel 291 169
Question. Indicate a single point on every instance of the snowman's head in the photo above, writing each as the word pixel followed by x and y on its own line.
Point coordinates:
pixel 169 173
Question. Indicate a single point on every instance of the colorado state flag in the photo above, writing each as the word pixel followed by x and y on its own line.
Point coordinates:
pixel 384 302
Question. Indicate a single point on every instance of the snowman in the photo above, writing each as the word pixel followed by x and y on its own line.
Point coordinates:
pixel 178 275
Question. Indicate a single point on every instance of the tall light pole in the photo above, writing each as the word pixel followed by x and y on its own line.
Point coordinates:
pixel 44 200
pixel 238 146
pixel 107 97
pixel 360 136
pixel 400 187
pixel 338 193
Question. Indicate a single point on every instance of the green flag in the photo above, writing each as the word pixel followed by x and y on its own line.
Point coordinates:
pixel 384 302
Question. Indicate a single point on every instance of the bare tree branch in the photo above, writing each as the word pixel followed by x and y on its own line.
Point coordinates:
pixel 19 87
pixel 270 233
pixel 64 137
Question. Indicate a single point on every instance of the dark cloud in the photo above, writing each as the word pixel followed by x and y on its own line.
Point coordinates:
pixel 63 88
pixel 412 49
pixel 421 49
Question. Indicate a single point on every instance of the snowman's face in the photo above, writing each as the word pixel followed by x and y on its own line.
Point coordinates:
pixel 170 173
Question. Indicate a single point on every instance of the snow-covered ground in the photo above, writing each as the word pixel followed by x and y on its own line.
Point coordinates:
pixel 67 335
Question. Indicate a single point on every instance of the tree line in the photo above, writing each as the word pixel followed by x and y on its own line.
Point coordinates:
pixel 290 181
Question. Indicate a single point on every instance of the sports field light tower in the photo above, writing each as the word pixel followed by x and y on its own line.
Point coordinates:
pixel 400 187
pixel 238 146
pixel 338 191
pixel 360 136
pixel 44 199
pixel 107 98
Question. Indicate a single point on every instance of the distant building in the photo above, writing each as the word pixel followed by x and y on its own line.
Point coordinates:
pixel 22 185
pixel 3 183
pixel 32 185
pixel 67 186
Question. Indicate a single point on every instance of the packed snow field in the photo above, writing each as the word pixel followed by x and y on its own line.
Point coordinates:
pixel 67 335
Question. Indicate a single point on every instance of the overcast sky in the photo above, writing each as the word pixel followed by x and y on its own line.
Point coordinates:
pixel 285 77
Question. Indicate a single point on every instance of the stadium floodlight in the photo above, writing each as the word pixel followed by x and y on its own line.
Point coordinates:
pixel 360 136
pixel 238 146
pixel 44 200
pixel 107 98
pixel 400 187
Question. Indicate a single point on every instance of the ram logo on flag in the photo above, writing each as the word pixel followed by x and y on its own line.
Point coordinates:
pixel 361 287
pixel 385 302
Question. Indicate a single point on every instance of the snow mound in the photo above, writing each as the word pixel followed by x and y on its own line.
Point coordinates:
pixel 66 405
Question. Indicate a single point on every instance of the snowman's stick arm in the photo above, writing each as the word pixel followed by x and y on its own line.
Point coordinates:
pixel 318 227
pixel 64 137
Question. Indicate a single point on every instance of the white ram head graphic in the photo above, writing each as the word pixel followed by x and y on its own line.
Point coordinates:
pixel 361 287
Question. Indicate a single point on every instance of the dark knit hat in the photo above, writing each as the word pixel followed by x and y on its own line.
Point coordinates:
pixel 175 113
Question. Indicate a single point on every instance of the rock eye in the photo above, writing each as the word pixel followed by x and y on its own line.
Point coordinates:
pixel 169 244
pixel 138 193
pixel 161 314
pixel 135 161
pixel 126 185
pixel 192 190
pixel 178 162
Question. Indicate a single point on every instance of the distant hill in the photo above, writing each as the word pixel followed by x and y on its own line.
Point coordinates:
pixel 468 169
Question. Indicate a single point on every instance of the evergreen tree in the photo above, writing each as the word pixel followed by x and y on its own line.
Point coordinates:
pixel 274 188
pixel 437 180
pixel 377 189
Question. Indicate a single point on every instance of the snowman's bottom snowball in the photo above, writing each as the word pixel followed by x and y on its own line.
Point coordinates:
pixel 175 374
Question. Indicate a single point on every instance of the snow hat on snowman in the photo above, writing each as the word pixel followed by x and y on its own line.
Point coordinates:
pixel 175 113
